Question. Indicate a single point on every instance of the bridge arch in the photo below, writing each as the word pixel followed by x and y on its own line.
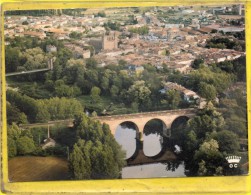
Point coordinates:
pixel 128 125
pixel 153 132
pixel 130 131
pixel 179 120
pixel 154 125
pixel 176 131
pixel 178 124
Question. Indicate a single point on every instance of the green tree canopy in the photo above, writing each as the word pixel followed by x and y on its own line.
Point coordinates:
pixel 228 142
pixel 139 93
pixel 95 94
pixel 173 99
pixel 15 115
pixel 96 155
pixel 12 58
pixel 35 58
pixel 25 145
pixel 207 91
pixel 209 159
pixel 197 63
pixel 206 121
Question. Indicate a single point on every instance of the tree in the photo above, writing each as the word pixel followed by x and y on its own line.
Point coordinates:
pixel 226 66
pixel 220 80
pixel 201 151
pixel 140 94
pixel 58 108
pixel 74 71
pixel 197 63
pixel 207 91
pixel 112 26
pixel 114 91
pixel 209 159
pixel 12 59
pixel 101 14
pixel 35 58
pixel 25 23
pixel 228 142
pixel 144 30
pixel 14 134
pixel 62 90
pixel 91 63
pixel 43 115
pixel 96 155
pixel 173 99
pixel 75 35
pixel 80 164
pixel 95 94
pixel 15 115
pixel 24 103
pixel 93 77
pixel 235 113
pixel 12 148
pixel 94 114
pixel 63 55
pixel 25 145
pixel 206 121
pixel 104 83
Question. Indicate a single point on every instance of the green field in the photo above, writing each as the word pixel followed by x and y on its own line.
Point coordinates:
pixel 105 105
pixel 31 168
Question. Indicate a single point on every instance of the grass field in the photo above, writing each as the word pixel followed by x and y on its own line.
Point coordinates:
pixel 105 104
pixel 32 168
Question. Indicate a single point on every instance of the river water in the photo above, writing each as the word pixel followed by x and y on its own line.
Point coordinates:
pixel 126 136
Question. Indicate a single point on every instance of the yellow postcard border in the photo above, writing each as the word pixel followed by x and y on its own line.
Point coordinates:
pixel 194 185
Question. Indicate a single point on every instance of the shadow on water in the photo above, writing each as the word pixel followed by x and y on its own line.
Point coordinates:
pixel 154 170
pixel 127 136
pixel 153 138
pixel 151 157
pixel 172 165
pixel 154 126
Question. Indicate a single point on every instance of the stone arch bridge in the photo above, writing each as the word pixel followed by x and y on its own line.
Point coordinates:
pixel 140 119
pixel 168 117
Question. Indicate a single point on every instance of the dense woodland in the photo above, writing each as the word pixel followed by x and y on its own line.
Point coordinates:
pixel 76 85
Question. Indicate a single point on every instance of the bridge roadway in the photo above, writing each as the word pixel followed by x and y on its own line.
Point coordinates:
pixel 140 119
pixel 67 122
pixel 27 72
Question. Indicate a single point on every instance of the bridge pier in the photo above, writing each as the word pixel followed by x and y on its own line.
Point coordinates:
pixel 139 136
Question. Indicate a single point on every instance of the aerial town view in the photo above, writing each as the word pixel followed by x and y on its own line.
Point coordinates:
pixel 135 92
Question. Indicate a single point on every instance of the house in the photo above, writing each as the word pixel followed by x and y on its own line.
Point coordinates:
pixel 51 48
pixel 49 142
pixel 188 95
pixel 133 69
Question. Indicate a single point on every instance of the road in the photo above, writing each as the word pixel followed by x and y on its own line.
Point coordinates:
pixel 68 122
pixel 123 116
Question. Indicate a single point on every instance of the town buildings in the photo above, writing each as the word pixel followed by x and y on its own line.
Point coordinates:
pixel 176 43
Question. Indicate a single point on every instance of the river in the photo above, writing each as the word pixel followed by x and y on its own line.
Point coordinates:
pixel 126 136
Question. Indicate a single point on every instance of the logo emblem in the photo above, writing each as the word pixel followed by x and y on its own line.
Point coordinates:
pixel 233 161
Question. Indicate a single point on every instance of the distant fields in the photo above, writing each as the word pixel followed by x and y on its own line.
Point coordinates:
pixel 38 169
